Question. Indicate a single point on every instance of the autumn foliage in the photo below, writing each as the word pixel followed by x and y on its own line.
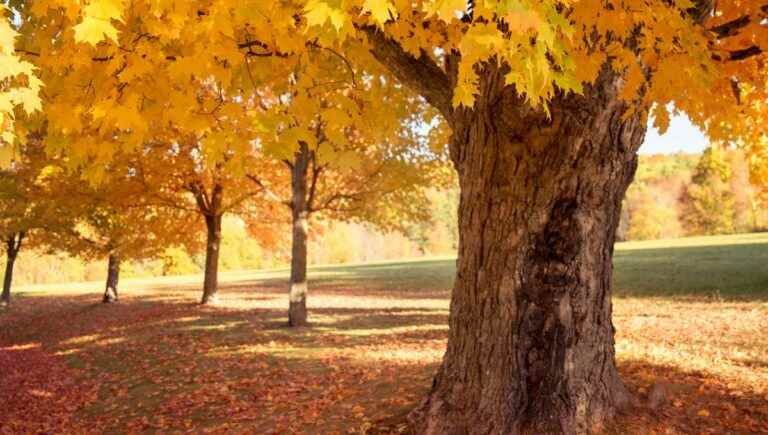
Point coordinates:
pixel 168 115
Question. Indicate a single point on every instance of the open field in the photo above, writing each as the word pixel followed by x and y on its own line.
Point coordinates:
pixel 690 315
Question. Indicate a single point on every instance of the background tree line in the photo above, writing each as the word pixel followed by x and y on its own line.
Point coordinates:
pixel 333 242
pixel 679 195
pixel 674 195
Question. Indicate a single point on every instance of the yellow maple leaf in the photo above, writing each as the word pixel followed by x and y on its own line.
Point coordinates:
pixel 521 21
pixel 6 151
pixel 480 41
pixel 381 10
pixel 464 95
pixel 105 9
pixel 24 95
pixel 318 12
pixel 94 30
pixel 447 10
pixel 97 21
pixel 661 118
pixel 7 37
pixel 634 80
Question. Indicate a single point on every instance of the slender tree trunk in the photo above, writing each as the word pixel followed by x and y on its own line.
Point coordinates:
pixel 12 247
pixel 5 299
pixel 211 281
pixel 531 347
pixel 113 275
pixel 297 310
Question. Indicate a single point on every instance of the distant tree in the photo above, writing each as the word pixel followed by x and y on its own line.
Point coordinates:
pixel 708 201
pixel 24 209
pixel 440 233
pixel 648 218
pixel 17 222
pixel 347 142
pixel 182 176
pixel 115 219
pixel 377 183
pixel 176 261
pixel 744 197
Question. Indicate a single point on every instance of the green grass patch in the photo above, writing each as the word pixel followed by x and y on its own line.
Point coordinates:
pixel 733 266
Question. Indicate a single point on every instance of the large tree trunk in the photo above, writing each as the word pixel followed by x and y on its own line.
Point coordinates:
pixel 211 281
pixel 297 295
pixel 113 275
pixel 531 347
pixel 12 247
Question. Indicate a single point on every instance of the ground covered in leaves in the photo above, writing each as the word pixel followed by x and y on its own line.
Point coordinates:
pixel 156 361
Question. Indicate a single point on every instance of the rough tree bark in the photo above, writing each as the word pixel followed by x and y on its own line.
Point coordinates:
pixel 211 281
pixel 113 276
pixel 530 345
pixel 12 247
pixel 297 294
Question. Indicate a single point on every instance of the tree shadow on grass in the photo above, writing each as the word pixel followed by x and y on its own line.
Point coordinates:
pixel 691 402
pixel 156 361
pixel 694 402
pixel 159 361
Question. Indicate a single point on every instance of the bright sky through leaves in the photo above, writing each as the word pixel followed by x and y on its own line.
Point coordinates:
pixel 682 136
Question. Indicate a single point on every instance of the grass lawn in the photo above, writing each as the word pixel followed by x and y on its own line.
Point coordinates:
pixel 690 315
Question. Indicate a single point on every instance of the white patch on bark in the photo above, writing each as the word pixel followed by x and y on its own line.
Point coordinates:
pixel 301 223
pixel 298 291
pixel 111 293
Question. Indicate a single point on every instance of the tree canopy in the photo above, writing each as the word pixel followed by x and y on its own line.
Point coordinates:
pixel 546 103
pixel 137 67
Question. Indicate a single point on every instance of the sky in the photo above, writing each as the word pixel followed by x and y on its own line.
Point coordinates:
pixel 681 136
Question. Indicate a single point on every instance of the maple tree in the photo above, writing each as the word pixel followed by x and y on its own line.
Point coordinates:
pixel 708 200
pixel 25 211
pixel 181 179
pixel 115 219
pixel 346 142
pixel 381 190
pixel 546 102
pixel 196 120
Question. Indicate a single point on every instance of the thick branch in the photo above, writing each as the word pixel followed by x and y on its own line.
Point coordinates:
pixel 746 53
pixel 216 199
pixel 422 75
pixel 732 27
pixel 738 55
